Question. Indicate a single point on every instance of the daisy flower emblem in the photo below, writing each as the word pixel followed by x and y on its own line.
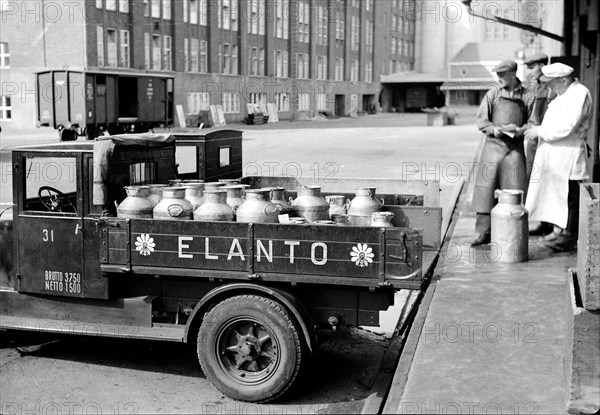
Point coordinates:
pixel 145 244
pixel 362 255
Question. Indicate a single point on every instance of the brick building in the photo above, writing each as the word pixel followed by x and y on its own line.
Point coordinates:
pixel 302 55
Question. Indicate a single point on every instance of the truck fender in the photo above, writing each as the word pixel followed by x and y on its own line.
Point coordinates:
pixel 218 294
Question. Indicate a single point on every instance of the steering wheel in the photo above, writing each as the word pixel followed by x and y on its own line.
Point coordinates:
pixel 55 200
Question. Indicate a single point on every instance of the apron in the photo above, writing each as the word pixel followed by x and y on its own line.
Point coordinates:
pixel 549 187
pixel 502 164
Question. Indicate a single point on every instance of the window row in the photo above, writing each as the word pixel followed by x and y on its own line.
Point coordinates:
pixel 230 101
pixel 114 50
pixel 402 47
pixel 154 8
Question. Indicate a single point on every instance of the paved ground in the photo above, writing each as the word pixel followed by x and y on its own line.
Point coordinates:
pixel 496 336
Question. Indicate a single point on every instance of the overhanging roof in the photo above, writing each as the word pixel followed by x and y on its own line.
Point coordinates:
pixel 415 77
pixel 469 85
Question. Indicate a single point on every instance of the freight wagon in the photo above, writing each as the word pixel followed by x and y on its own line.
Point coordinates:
pixel 254 298
pixel 94 103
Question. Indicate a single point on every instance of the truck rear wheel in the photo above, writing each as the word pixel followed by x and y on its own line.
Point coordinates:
pixel 250 348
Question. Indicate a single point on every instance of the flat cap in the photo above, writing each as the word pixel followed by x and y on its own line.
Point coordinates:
pixel 538 57
pixel 505 66
pixel 555 70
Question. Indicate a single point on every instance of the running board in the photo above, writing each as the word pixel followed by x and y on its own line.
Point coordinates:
pixel 164 332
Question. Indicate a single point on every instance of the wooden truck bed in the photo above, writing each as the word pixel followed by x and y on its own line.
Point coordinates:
pixel 317 254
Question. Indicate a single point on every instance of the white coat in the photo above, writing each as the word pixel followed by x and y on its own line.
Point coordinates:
pixel 561 155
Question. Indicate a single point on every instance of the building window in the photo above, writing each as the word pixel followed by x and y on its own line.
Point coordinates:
pixel 354 70
pixel 282 63
pixel 124 55
pixel 303 22
pixel 355 33
pixel 4 55
pixel 156 8
pixel 124 6
pixel 98 4
pixel 256 61
pixel 204 12
pixel 156 55
pixel 282 21
pixel 227 14
pixel 282 101
pixel 256 17
pixel 186 5
pixel 198 101
pixel 369 72
pixel 203 67
pixel 302 65
pixel 321 102
pixel 303 102
pixel 368 5
pixel 339 27
pixel 147 50
pixel 193 11
pixel 100 45
pixel 146 8
pixel 111 5
pixel 5 108
pixel 322 25
pixel 321 67
pixel 167 53
pixel 339 69
pixel 194 56
pixel 258 98
pixel 186 54
pixel 167 9
pixel 369 36
pixel 231 102
pixel 394 46
pixel 229 59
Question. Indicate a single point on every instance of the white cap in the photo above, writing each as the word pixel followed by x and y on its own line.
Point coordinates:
pixel 555 70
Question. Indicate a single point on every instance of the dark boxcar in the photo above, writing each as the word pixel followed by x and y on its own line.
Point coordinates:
pixel 93 103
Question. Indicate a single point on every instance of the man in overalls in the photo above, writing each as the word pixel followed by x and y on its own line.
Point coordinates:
pixel 502 114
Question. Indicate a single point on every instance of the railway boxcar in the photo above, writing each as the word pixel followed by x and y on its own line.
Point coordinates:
pixel 94 103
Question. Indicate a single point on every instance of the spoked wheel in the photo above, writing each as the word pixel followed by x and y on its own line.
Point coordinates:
pixel 250 348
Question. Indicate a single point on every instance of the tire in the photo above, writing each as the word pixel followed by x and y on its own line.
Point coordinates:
pixel 250 348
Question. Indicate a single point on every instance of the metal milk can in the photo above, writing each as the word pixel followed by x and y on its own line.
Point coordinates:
pixel 215 206
pixel 382 219
pixel 257 208
pixel 278 196
pixel 235 195
pixel 194 193
pixel 310 204
pixel 362 207
pixel 156 192
pixel 510 231
pixel 173 205
pixel 337 204
pixel 137 204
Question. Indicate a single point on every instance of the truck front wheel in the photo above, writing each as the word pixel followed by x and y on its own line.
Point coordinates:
pixel 250 348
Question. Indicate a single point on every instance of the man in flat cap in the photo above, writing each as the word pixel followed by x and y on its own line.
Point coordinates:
pixel 543 96
pixel 503 112
pixel 561 157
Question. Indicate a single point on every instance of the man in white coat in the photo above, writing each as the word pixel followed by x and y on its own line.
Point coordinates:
pixel 553 195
